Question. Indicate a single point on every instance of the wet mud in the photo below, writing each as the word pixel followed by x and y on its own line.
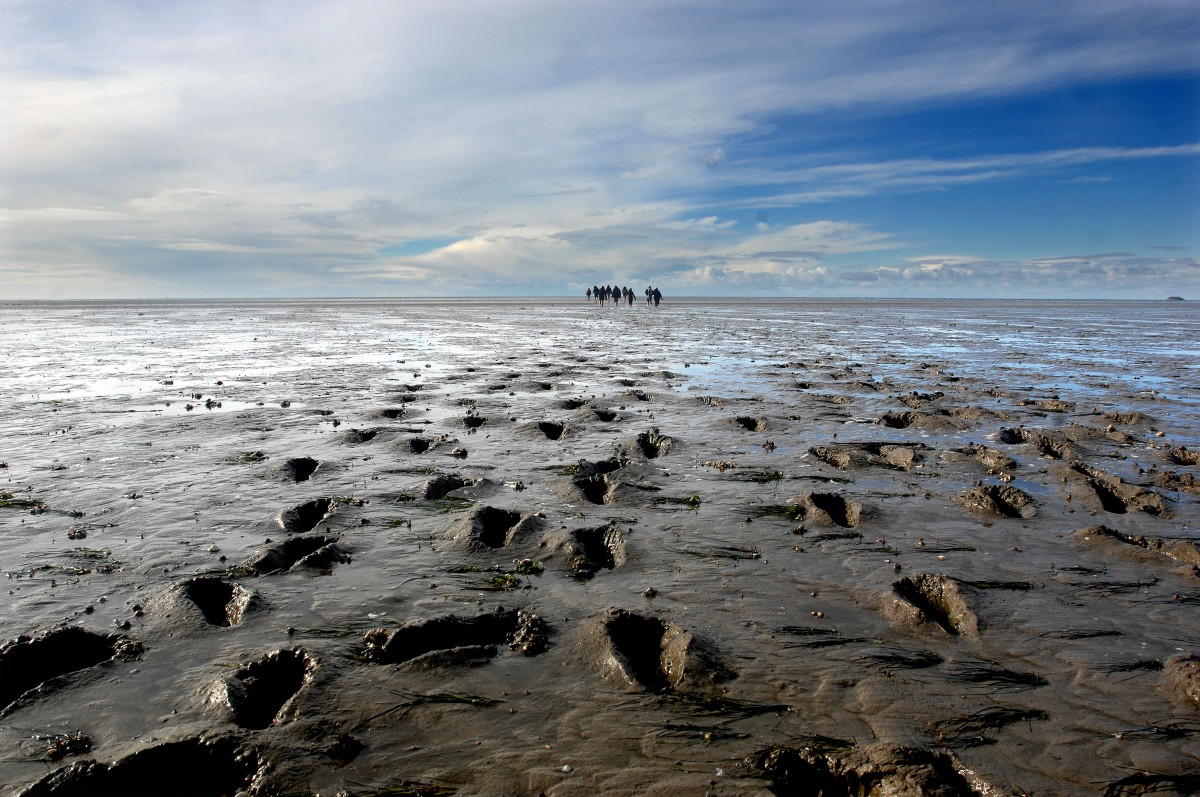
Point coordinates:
pixel 875 547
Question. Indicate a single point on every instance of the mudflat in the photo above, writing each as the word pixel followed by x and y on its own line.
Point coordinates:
pixel 539 546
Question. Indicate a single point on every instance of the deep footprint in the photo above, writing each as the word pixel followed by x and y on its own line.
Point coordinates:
pixel 28 663
pixel 255 695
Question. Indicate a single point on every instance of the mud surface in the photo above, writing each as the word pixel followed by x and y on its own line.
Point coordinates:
pixel 519 547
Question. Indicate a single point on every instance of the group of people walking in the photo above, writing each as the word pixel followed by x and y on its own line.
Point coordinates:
pixel 617 295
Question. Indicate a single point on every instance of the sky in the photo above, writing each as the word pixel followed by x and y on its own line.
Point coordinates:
pixel 878 148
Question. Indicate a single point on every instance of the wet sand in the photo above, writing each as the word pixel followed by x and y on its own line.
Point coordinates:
pixel 542 547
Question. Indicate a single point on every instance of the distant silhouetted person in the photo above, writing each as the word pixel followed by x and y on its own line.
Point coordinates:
pixel 657 294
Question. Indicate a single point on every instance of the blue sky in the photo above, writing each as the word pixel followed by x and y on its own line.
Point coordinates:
pixel 878 148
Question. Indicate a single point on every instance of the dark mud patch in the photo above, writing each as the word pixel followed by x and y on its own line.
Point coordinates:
pixel 607 416
pixel 916 400
pixel 552 429
pixel 188 768
pixel 1000 499
pixel 902 420
pixel 654 655
pixel 1118 496
pixel 750 423
pixel 832 508
pixel 317 552
pixel 305 517
pixel 442 485
pixel 1181 550
pixel 221 603
pixel 572 403
pixel 473 421
pixel 653 444
pixel 488 528
pixel 28 664
pixel 392 413
pixel 927 598
pixel 814 769
pixel 255 695
pixel 300 469
pixel 453 639
pixel 419 445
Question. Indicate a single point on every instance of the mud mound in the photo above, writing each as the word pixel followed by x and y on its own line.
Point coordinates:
pixel 318 552
pixel 1184 456
pixel 488 528
pixel 901 420
pixel 989 457
pixel 27 664
pixel 1178 482
pixel 300 469
pixel 188 768
pixel 832 508
pixel 916 400
pixel 652 444
pixel 222 603
pixel 255 695
pixel 1179 549
pixel 879 771
pixel 927 598
pixel 1118 496
pixel 305 517
pixel 1000 499
pixel 452 639
pixel 1181 680
pixel 751 424
pixel 650 654
pixel 552 429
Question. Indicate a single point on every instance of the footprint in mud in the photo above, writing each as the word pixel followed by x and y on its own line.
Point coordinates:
pixel 300 469
pixel 452 640
pixel 832 508
pixel 1003 500
pixel 1118 496
pixel 419 445
pixel 750 423
pixel 590 550
pixel 607 416
pixel 318 552
pixel 488 528
pixel 473 421
pixel 442 485
pixel 254 696
pixel 355 436
pixel 898 456
pixel 649 654
pixel 653 444
pixel 222 603
pixel 834 768
pixel 305 517
pixel 572 403
pixel 392 413
pixel 596 480
pixel 200 767
pixel 1047 445
pixel 552 430
pixel 916 400
pixel 988 457
pixel 927 598
pixel 1181 550
pixel 1184 456
pixel 27 664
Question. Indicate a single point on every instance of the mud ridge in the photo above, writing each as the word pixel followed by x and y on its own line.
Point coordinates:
pixel 193 768
pixel 28 663
pixel 305 517
pixel 255 695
